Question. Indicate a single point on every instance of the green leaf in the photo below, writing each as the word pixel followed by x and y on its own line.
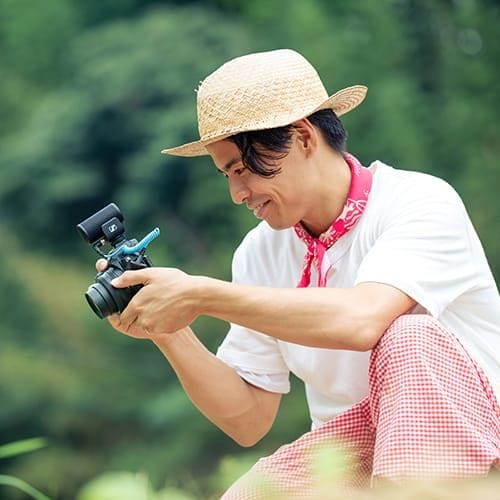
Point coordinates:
pixel 23 486
pixel 20 447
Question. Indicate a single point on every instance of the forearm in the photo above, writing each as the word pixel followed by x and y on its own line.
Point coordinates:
pixel 317 317
pixel 215 388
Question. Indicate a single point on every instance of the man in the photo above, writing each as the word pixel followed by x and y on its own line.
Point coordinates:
pixel 370 284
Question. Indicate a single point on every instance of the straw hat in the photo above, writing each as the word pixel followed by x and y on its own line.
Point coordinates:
pixel 261 91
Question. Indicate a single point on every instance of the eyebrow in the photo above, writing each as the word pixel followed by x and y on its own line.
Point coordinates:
pixel 229 164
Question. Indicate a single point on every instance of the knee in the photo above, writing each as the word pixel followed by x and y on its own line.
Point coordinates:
pixel 409 347
pixel 410 333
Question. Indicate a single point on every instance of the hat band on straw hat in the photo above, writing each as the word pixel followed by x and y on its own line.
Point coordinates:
pixel 262 91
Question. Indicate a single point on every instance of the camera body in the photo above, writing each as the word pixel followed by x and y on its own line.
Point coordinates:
pixel 106 226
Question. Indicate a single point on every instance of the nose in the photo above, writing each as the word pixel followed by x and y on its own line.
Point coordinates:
pixel 238 190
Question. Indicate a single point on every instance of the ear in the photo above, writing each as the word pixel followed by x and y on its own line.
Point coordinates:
pixel 306 136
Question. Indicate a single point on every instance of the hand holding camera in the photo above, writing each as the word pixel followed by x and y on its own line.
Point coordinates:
pixel 106 226
pixel 166 304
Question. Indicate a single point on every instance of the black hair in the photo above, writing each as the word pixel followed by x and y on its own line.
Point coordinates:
pixel 260 149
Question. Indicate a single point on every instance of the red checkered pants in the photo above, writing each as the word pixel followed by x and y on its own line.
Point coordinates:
pixel 431 413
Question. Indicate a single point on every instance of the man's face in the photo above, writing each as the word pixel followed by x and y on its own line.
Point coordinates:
pixel 280 200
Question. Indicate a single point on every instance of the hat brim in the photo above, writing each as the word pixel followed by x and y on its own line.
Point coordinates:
pixel 341 103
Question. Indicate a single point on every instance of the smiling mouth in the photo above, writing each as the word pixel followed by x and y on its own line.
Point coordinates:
pixel 259 209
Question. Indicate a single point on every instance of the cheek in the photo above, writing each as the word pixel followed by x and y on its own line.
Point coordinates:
pixel 283 188
pixel 289 189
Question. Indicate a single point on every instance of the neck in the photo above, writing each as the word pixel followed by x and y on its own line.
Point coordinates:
pixel 329 196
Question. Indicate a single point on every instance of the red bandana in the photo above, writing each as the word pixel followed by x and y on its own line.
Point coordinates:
pixel 361 183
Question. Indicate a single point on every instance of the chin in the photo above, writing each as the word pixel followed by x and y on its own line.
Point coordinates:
pixel 279 226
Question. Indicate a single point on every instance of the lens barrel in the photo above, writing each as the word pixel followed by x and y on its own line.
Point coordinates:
pixel 104 298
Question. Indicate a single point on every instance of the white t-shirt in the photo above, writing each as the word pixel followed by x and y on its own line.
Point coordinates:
pixel 415 235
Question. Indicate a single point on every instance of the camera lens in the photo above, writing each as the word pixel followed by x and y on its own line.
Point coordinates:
pixel 100 300
pixel 104 298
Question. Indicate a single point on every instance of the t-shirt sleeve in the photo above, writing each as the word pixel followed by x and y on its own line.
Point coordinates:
pixel 255 356
pixel 424 248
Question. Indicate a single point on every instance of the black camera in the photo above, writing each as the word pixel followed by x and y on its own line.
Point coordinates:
pixel 106 226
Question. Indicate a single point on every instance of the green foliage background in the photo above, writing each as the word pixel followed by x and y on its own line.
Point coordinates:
pixel 90 92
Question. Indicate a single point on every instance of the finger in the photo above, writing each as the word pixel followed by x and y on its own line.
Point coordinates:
pixel 114 321
pixel 101 265
pixel 130 278
pixel 126 321
pixel 128 316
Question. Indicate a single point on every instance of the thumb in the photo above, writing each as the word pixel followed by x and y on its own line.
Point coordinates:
pixel 101 265
pixel 130 278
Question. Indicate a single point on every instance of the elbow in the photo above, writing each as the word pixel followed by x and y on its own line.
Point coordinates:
pixel 365 336
pixel 246 434
pixel 246 441
pixel 370 311
pixel 363 325
pixel 366 341
pixel 360 343
pixel 247 438
pixel 369 333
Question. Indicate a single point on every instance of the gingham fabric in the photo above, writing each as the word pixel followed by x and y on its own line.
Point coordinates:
pixel 430 414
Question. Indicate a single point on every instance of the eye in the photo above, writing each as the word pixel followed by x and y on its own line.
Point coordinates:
pixel 233 171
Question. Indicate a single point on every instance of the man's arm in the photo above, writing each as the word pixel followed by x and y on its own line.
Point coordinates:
pixel 244 412
pixel 241 410
pixel 336 318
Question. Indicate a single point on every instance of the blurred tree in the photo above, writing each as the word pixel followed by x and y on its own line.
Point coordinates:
pixel 468 127
pixel 32 56
pixel 98 137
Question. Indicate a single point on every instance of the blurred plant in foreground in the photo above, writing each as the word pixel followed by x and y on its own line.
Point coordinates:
pixel 127 486
pixel 17 448
pixel 332 469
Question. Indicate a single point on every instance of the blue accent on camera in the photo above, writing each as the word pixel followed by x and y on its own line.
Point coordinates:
pixel 125 250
